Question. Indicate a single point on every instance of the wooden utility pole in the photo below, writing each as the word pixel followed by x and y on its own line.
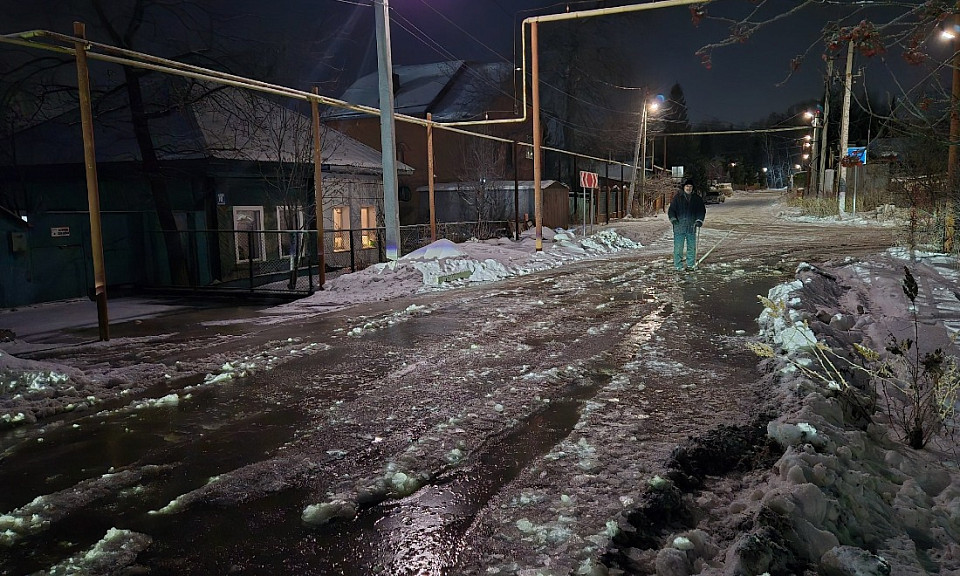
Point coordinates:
pixel 824 150
pixel 515 150
pixel 537 150
pixel 430 178
pixel 845 128
pixel 318 188
pixel 93 189
pixel 953 194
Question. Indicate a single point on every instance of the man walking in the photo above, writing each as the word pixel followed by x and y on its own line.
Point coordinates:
pixel 686 212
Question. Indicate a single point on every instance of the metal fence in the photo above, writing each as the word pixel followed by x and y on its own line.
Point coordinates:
pixel 264 261
pixel 285 262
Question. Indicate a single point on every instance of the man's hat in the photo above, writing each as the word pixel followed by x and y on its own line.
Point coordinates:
pixel 688 182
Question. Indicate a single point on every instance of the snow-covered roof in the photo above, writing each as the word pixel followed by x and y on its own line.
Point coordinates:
pixel 195 122
pixel 454 90
pixel 240 125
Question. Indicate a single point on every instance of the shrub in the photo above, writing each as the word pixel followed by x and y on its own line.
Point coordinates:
pixel 818 207
pixel 921 388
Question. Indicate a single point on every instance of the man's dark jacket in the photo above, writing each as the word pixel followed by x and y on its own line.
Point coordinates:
pixel 687 211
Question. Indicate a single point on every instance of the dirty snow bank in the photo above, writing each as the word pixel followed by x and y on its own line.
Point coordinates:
pixel 443 265
pixel 46 386
pixel 848 496
pixel 116 548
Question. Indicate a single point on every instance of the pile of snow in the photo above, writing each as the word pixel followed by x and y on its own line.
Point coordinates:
pixel 116 548
pixel 25 382
pixel 848 495
pixel 442 265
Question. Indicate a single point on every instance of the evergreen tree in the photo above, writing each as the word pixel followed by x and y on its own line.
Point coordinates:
pixel 680 149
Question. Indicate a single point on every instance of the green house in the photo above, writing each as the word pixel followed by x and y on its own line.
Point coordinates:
pixel 233 172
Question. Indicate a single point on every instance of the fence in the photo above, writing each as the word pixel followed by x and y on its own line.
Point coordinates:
pixel 284 262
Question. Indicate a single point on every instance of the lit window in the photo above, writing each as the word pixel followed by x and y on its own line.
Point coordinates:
pixel 368 225
pixel 341 228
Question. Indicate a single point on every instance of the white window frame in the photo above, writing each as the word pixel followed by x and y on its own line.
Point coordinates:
pixel 258 238
pixel 341 240
pixel 368 229
pixel 284 251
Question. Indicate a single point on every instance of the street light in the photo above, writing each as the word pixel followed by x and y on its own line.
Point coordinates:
pixel 641 149
pixel 950 33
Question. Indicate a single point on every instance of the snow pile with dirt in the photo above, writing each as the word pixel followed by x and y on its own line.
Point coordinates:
pixel 443 265
pixel 42 383
pixel 848 496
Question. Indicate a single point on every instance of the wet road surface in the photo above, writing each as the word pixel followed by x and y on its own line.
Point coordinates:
pixel 524 415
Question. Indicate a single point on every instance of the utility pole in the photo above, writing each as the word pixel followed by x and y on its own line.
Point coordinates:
pixel 93 187
pixel 824 151
pixel 643 158
pixel 430 178
pixel 537 142
pixel 636 154
pixel 814 184
pixel 845 127
pixel 388 131
pixel 318 188
pixel 953 194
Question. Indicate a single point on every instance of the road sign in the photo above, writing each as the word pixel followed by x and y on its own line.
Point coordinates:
pixel 589 180
pixel 857 155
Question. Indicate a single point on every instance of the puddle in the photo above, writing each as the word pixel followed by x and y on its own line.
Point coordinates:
pixel 215 431
pixel 731 303
pixel 420 534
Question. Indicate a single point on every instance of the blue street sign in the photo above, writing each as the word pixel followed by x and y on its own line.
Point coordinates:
pixel 857 154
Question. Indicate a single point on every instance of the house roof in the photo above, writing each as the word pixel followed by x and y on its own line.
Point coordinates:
pixel 494 185
pixel 191 122
pixel 451 91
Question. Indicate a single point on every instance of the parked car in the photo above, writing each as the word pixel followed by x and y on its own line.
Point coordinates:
pixel 718 192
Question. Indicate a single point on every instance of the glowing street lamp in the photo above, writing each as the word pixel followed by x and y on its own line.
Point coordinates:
pixel 648 106
pixel 950 33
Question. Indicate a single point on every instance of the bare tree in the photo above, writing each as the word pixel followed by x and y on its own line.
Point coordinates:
pixel 583 92
pixel 483 164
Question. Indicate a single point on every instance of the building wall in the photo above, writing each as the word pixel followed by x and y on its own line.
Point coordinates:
pixel 452 153
pixel 15 285
pixel 454 205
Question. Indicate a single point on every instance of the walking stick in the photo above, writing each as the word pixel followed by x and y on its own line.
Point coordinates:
pixel 696 247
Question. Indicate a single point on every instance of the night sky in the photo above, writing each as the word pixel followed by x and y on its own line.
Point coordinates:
pixel 316 41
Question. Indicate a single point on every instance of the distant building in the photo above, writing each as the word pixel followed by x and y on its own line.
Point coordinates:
pixel 452 92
